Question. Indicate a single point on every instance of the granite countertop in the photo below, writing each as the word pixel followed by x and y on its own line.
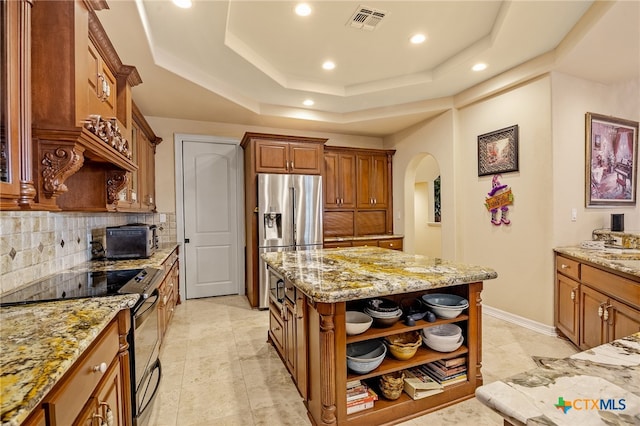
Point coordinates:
pixel 600 386
pixel 154 261
pixel 621 260
pixel 41 341
pixel 362 238
pixel 343 274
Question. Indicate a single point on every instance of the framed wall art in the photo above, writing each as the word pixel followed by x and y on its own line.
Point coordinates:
pixel 498 151
pixel 611 161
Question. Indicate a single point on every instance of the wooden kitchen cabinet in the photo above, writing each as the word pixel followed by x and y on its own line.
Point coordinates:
pixel 340 180
pixel 389 243
pixel 275 156
pixel 16 184
pixel 594 305
pixel 287 332
pixel 98 381
pixel 373 181
pixel 101 94
pixel 358 194
pixel 169 290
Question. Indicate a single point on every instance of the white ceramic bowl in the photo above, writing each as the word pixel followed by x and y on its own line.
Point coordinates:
pixel 446 313
pixel 442 346
pixel 386 321
pixel 357 322
pixel 443 333
pixel 445 305
pixel 365 356
pixel 375 314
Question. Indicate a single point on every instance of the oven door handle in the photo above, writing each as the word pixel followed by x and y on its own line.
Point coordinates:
pixel 140 317
pixel 157 365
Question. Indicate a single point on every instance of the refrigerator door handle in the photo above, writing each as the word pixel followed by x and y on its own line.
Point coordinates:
pixel 294 225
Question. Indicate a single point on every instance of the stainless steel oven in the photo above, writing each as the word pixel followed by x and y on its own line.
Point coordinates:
pixel 146 367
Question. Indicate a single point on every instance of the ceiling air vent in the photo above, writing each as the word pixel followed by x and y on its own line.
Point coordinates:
pixel 366 18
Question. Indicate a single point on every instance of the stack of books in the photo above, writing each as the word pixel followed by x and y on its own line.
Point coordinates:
pixel 359 396
pixel 447 371
pixel 418 385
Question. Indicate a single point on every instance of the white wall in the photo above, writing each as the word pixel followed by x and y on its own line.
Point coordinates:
pixel 572 98
pixel 432 137
pixel 165 159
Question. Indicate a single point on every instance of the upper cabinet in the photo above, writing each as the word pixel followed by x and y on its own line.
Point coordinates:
pixel 340 179
pixel 373 181
pixel 357 192
pixel 82 154
pixel 16 185
pixel 285 154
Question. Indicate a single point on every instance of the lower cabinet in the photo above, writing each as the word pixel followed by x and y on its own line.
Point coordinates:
pixel 594 305
pixel 169 290
pixel 390 243
pixel 287 333
pixel 96 390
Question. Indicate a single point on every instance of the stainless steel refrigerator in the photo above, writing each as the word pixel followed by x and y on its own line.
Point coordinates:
pixel 289 218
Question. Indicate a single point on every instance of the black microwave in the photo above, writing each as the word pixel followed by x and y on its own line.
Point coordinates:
pixel 134 241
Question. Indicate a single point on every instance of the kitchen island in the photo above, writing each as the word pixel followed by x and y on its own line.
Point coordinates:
pixel 308 329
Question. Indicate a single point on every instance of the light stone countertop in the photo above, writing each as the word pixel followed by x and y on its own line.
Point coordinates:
pixel 600 386
pixel 343 274
pixel 39 343
pixel 621 260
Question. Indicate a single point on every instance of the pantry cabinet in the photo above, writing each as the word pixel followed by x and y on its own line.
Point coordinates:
pixel 358 194
pixel 594 305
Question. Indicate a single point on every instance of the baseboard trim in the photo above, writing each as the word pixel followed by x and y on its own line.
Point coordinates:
pixel 521 321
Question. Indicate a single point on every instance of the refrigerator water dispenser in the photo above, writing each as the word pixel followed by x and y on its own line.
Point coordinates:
pixel 272 226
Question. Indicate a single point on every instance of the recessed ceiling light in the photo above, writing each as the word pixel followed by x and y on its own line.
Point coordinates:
pixel 418 38
pixel 479 67
pixel 308 102
pixel 185 4
pixel 303 9
pixel 328 65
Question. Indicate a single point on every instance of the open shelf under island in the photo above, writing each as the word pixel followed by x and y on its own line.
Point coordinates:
pixel 307 325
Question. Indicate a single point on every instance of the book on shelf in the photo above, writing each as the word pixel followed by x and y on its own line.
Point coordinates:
pixel 452 362
pixel 362 403
pixel 359 407
pixel 418 385
pixel 353 383
pixel 444 381
pixel 446 371
pixel 357 392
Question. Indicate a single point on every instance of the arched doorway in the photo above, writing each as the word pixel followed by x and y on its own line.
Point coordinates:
pixel 425 198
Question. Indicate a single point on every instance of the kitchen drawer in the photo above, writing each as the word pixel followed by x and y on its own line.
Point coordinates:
pixel 392 243
pixel 623 289
pixel 276 328
pixel 568 267
pixel 65 403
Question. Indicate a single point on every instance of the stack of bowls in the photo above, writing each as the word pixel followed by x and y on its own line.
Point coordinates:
pixel 445 305
pixel 443 337
pixel 365 356
pixel 404 346
pixel 384 312
pixel 357 322
pixel 392 384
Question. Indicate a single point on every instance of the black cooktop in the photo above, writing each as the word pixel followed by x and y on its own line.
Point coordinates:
pixel 73 285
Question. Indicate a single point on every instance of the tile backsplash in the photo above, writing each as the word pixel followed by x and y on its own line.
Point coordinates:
pixel 37 244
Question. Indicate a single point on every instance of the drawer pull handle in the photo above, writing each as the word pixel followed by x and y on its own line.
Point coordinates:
pixel 573 294
pixel 102 367
pixel 563 266
pixel 605 315
pixel 601 309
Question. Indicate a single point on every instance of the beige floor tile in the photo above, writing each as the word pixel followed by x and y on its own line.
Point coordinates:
pixel 219 369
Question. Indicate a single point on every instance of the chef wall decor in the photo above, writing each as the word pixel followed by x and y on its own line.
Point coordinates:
pixel 498 201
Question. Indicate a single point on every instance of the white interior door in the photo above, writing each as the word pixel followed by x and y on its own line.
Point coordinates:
pixel 210 211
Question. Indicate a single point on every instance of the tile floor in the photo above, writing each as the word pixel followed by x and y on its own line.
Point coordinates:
pixel 218 369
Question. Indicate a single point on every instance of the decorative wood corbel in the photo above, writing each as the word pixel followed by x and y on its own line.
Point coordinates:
pixel 116 181
pixel 58 164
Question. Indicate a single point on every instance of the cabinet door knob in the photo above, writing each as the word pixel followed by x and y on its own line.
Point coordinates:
pixel 102 367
